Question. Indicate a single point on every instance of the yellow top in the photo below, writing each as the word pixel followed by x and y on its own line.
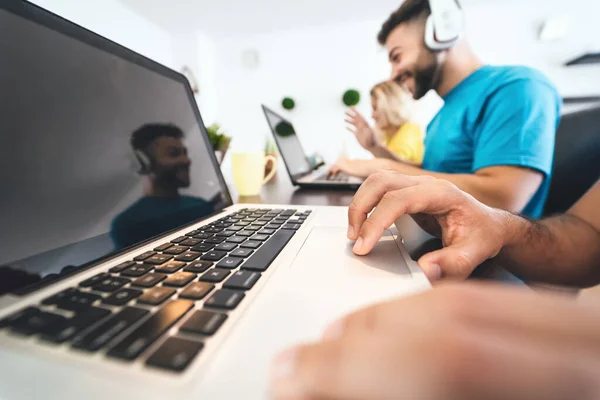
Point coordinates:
pixel 407 143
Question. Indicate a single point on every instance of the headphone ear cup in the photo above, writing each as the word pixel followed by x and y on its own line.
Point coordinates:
pixel 144 162
pixel 430 34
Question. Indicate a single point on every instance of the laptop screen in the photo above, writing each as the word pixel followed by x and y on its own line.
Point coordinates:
pixel 288 143
pixel 100 149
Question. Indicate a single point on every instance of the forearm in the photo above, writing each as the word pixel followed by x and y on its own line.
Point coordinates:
pixel 562 250
pixel 486 189
pixel 380 151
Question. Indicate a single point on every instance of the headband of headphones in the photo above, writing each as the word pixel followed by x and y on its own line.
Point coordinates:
pixel 445 25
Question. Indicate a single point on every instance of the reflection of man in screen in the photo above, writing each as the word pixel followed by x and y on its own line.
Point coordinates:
pixel 163 161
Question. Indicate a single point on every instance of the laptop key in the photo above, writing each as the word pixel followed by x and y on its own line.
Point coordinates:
pixel 149 280
pixel 163 247
pixel 268 232
pixel 264 256
pixel 235 228
pixel 214 230
pixel 175 250
pixel 122 297
pixel 203 247
pixel 203 236
pixel 121 267
pixel 79 301
pixel 81 321
pixel 214 255
pixel 149 331
pixel 179 239
pixel 237 239
pixel 253 228
pixel 175 354
pixel 197 291
pixel 190 242
pixel 230 262
pixel 170 267
pixel 156 295
pixel 137 270
pixel 54 299
pixel 243 253
pixel 204 322
pixel 245 233
pixel 110 285
pixel 225 234
pixel 259 237
pixel 109 329
pixel 144 256
pixel 293 227
pixel 20 315
pixel 158 259
pixel 198 266
pixel 214 275
pixel 226 246
pixel 225 299
pixel 188 256
pixel 37 323
pixel 251 244
pixel 288 212
pixel 179 279
pixel 272 226
pixel 242 280
pixel 93 280
pixel 215 240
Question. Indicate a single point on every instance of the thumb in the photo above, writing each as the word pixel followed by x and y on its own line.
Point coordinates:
pixel 454 262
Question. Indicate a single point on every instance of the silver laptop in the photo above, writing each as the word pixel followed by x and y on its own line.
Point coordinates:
pixel 126 272
pixel 301 171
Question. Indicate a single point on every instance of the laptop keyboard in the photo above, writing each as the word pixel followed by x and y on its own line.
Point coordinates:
pixel 128 312
pixel 341 177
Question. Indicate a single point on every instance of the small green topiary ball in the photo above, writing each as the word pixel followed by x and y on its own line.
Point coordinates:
pixel 351 97
pixel 288 103
pixel 284 129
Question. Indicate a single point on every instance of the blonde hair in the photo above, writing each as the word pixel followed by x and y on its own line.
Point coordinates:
pixel 395 102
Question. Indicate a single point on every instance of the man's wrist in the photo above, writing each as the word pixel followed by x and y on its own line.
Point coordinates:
pixel 514 228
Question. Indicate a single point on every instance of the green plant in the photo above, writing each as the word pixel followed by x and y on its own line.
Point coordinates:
pixel 218 139
pixel 284 129
pixel 270 146
pixel 288 103
pixel 351 97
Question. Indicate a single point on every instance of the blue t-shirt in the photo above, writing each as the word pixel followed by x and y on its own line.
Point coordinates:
pixel 497 116
pixel 151 216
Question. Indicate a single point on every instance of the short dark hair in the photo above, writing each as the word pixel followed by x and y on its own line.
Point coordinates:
pixel 142 137
pixel 410 10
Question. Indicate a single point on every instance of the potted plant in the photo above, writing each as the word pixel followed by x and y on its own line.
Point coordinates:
pixel 270 149
pixel 219 141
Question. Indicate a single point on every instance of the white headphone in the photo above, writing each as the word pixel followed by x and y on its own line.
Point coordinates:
pixel 445 26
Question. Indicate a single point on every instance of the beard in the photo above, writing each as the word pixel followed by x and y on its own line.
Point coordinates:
pixel 174 176
pixel 427 76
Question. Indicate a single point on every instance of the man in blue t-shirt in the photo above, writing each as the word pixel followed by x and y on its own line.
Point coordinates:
pixel 494 136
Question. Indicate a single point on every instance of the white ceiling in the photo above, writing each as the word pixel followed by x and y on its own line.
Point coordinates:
pixel 230 18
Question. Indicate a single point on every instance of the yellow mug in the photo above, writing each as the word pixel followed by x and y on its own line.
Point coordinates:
pixel 249 171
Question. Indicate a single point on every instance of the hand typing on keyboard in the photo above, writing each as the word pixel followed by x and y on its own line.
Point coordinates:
pixel 358 168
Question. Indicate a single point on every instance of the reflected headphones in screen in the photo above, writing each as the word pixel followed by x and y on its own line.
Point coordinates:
pixel 445 26
pixel 144 163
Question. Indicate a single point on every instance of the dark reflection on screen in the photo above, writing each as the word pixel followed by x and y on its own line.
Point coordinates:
pixel 97 153
pixel 163 160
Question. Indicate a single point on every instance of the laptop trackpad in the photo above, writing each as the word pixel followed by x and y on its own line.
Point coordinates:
pixel 326 282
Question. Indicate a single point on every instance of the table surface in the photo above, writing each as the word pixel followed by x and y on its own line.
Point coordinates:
pixel 281 191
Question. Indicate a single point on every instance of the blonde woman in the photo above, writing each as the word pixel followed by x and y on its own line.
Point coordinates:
pixel 395 136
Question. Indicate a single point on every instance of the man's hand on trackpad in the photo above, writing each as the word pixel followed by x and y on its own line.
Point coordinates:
pixel 471 231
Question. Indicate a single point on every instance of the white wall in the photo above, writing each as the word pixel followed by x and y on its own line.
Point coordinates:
pixel 315 66
pixel 118 23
